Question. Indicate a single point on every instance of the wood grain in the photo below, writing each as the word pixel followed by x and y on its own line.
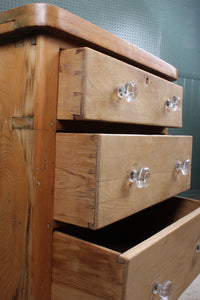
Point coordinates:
pixel 70 86
pixel 88 83
pixel 92 175
pixel 83 268
pixel 168 255
pixel 116 198
pixel 28 94
pixel 6 27
pixel 75 178
pixel 63 23
pixel 86 267
pixel 185 206
pixel 61 292
pixel 15 173
pixel 43 150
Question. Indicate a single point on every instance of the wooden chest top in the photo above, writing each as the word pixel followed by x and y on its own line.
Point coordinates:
pixel 46 17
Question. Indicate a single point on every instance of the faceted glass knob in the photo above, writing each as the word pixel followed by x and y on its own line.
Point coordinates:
pixel 174 104
pixel 129 91
pixel 142 177
pixel 164 290
pixel 184 167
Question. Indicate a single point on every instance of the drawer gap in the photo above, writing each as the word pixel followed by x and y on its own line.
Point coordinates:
pixel 77 126
pixel 127 233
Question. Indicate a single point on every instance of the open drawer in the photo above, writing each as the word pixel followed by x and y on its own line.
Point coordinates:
pixel 95 86
pixel 95 183
pixel 129 259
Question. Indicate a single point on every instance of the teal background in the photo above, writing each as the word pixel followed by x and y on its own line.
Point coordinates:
pixel 169 29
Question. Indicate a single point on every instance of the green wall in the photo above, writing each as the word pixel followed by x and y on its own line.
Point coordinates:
pixel 166 28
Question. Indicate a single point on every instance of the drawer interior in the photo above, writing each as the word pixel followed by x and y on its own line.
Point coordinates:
pixel 127 233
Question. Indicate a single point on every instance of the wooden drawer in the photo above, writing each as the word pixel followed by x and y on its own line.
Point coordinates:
pixel 92 187
pixel 88 85
pixel 125 260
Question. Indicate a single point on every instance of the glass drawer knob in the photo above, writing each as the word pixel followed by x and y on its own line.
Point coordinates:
pixel 142 177
pixel 129 91
pixel 198 248
pixel 174 104
pixel 164 290
pixel 184 167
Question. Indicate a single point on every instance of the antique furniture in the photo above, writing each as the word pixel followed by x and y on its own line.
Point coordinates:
pixel 88 173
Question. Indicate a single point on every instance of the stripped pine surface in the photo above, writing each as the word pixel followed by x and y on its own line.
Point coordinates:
pixel 92 187
pixel 88 85
pixel 125 260
pixel 28 94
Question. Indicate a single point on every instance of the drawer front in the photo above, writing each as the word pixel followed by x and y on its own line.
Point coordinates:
pixel 172 255
pixel 88 90
pixel 94 172
pixel 98 267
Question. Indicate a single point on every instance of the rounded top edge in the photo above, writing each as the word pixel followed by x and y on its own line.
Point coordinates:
pixel 44 16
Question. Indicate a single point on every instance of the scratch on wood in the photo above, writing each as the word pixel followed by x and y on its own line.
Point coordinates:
pixel 71 173
pixel 78 50
pixel 77 93
pixel 77 73
pixel 92 171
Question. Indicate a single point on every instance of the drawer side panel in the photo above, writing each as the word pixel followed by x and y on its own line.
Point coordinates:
pixel 75 175
pixel 89 268
pixel 63 292
pixel 70 84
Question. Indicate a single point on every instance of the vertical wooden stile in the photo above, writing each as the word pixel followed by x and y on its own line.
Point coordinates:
pixel 28 94
pixel 43 164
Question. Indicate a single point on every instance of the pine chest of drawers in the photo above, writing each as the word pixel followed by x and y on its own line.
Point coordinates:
pixel 88 172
